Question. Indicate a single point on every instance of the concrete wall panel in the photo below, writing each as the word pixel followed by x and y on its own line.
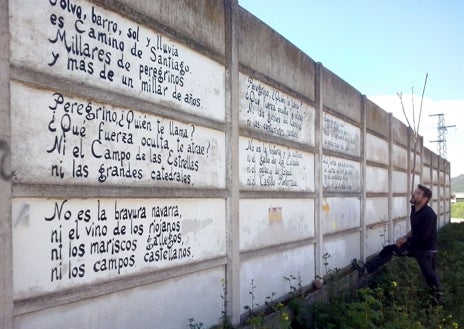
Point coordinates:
pixel 400 182
pixel 339 252
pixel 418 167
pixel 268 222
pixel 435 194
pixel 400 157
pixel 85 142
pixel 267 166
pixel 267 52
pixel 417 180
pixel 70 243
pixel 168 304
pixel 400 132
pixel 340 175
pixel 376 118
pixel 443 220
pixel 434 204
pixel 400 228
pixel 340 136
pixel 271 111
pixel 376 210
pixel 377 179
pixel 376 149
pixel 340 96
pixel 447 206
pixel 426 175
pixel 400 207
pixel 131 58
pixel 376 238
pixel 441 178
pixel 264 275
pixel 434 175
pixel 184 18
pixel 340 214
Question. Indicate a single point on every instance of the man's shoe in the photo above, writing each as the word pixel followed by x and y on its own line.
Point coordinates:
pixel 438 297
pixel 358 265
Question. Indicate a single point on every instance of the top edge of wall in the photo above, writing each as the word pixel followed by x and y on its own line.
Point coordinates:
pixel 340 96
pixel 265 51
pixel 376 118
pixel 184 20
pixel 400 132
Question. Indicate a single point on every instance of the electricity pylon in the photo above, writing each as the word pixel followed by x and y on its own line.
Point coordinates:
pixel 441 132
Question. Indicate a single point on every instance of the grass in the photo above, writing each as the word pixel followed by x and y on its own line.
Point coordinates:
pixel 396 297
pixel 457 210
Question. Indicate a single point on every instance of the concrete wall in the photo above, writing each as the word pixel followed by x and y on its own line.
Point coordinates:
pixel 160 158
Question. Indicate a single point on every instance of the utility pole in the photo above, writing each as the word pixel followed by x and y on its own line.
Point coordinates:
pixel 441 132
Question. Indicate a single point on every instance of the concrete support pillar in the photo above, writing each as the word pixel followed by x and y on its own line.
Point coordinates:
pixel 6 267
pixel 363 179
pixel 232 298
pixel 390 178
pixel 318 172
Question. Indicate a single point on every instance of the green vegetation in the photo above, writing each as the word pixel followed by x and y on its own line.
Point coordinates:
pixel 457 184
pixel 457 210
pixel 394 297
pixel 397 297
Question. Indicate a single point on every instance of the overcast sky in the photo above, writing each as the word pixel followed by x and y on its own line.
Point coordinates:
pixel 384 47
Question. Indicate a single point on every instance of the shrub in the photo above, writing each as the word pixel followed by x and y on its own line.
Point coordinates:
pixel 397 296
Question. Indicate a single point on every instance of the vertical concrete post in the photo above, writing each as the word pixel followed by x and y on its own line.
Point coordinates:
pixel 6 257
pixel 232 297
pixel 362 246
pixel 390 177
pixel 449 193
pixel 438 196
pixel 318 122
pixel 410 175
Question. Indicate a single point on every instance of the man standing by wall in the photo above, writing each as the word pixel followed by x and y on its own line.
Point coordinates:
pixel 421 242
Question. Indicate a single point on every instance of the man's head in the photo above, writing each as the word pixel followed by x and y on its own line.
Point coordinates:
pixel 421 196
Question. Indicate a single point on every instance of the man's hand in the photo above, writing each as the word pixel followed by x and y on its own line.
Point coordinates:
pixel 401 241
